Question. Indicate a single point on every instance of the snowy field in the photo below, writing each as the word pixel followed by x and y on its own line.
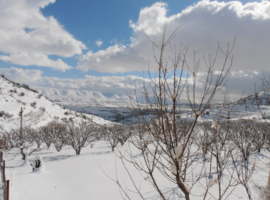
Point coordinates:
pixel 69 177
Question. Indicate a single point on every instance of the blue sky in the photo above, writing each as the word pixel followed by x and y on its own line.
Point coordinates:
pixel 65 40
pixel 105 20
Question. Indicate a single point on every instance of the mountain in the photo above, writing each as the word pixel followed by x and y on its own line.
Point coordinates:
pixel 80 96
pixel 259 98
pixel 38 110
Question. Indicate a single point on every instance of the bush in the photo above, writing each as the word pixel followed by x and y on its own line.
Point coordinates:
pixel 13 91
pixel 5 114
pixel 22 94
pixel 34 104
pixel 26 86
pixel 64 119
pixel 42 109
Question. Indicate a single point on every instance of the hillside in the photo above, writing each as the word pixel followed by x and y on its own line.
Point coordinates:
pixel 38 110
pixel 259 98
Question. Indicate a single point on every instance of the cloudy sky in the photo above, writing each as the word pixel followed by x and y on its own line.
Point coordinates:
pixel 102 45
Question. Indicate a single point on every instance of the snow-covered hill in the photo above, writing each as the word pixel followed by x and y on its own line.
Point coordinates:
pixel 260 98
pixel 38 110
pixel 80 96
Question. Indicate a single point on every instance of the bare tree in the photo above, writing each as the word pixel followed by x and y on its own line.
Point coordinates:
pixel 111 135
pixel 57 133
pixel 80 135
pixel 46 135
pixel 168 137
pixel 27 140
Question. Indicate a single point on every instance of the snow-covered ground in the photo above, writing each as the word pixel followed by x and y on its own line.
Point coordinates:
pixel 70 177
pixel 87 176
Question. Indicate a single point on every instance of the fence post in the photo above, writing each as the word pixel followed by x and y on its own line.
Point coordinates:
pixel 1 156
pixel 4 181
pixel 7 190
pixel 4 171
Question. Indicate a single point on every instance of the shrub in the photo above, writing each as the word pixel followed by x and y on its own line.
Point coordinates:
pixel 42 109
pixel 34 104
pixel 5 114
pixel 26 86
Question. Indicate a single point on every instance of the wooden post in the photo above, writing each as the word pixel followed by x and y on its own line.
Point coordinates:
pixel 4 180
pixel 269 185
pixel 7 191
pixel 4 171
pixel 21 114
pixel 1 157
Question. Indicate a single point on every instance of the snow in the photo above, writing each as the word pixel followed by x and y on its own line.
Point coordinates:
pixel 69 177
pixel 65 176
pixel 44 112
pixel 80 96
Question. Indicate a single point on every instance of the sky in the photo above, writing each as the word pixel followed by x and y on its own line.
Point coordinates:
pixel 102 45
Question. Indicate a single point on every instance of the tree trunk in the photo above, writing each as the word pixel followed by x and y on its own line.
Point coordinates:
pixel 23 154
pixel 78 151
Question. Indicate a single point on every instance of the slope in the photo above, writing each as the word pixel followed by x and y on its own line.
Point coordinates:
pixel 38 110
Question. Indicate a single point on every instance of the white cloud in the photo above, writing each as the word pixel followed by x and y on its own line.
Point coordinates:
pixel 22 75
pixel 151 19
pixel 99 43
pixel 238 83
pixel 103 57
pixel 201 26
pixel 25 35
pixel 38 59
pixel 108 84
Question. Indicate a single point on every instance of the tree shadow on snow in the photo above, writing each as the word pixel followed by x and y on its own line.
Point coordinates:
pixel 98 153
pixel 57 158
